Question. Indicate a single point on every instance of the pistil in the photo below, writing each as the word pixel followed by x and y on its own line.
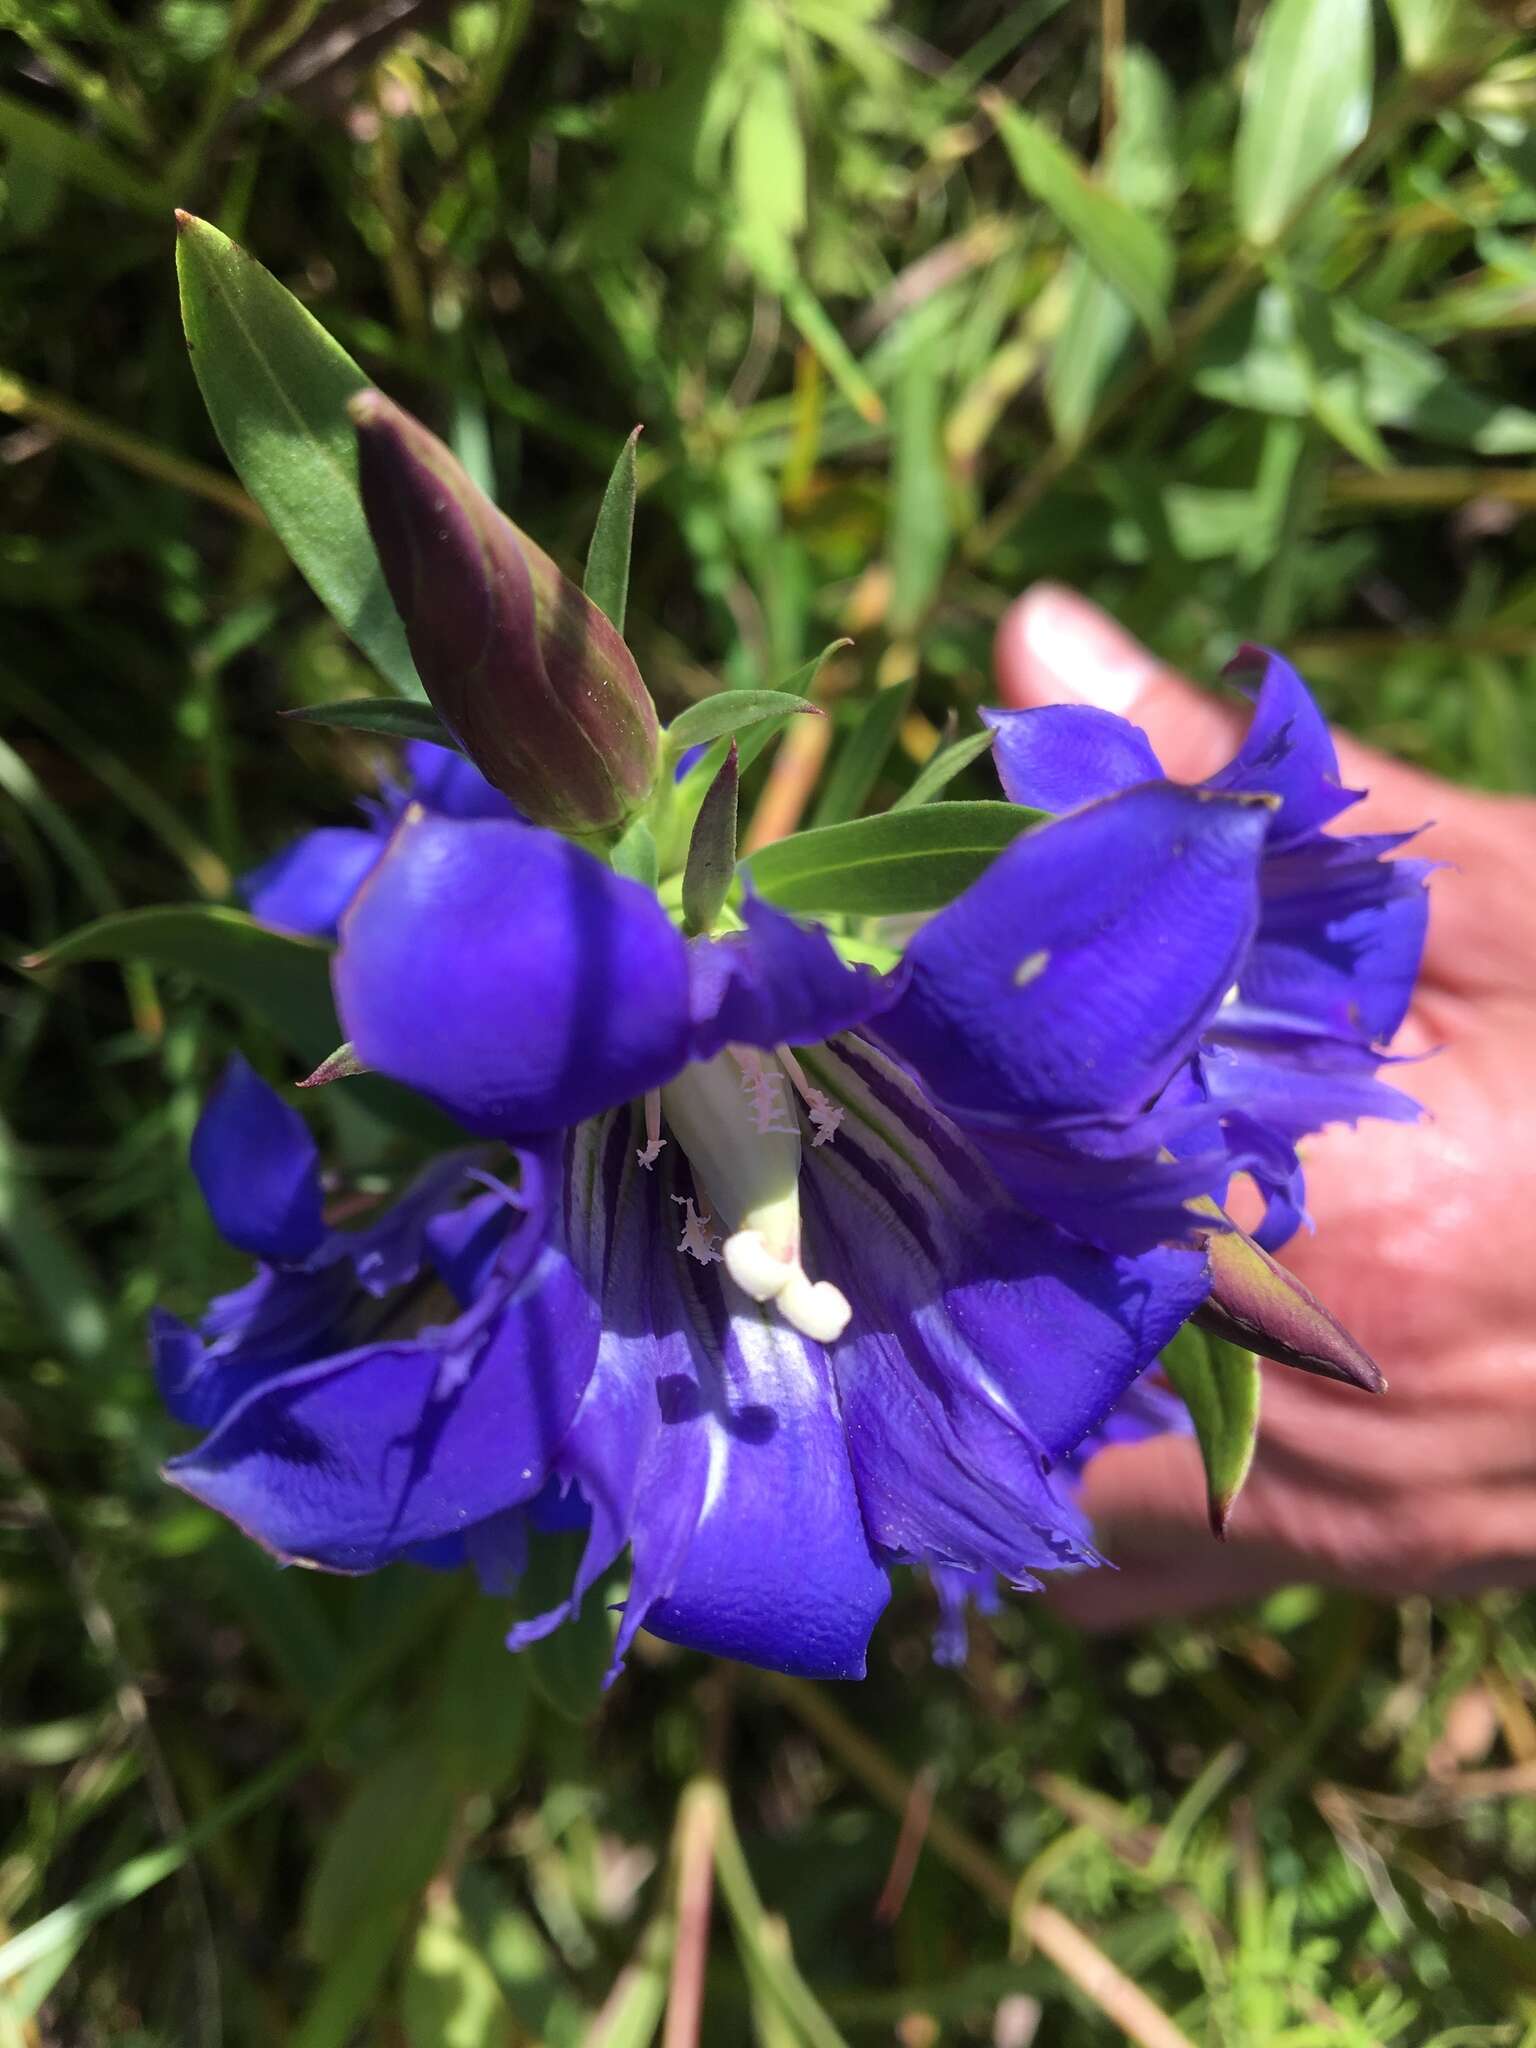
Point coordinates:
pixel 734 1118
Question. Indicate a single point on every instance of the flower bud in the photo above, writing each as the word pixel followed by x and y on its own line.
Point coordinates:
pixel 527 674
pixel 1256 1303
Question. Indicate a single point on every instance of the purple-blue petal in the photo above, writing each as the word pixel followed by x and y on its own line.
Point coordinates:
pixel 307 886
pixel 1149 1407
pixel 352 1461
pixel 258 1168
pixel 958 1591
pixel 1059 756
pixel 996 1308
pixel 706 1430
pixel 1287 751
pixel 1076 975
pixel 777 983
pixel 448 782
pixel 510 977
pixel 1341 934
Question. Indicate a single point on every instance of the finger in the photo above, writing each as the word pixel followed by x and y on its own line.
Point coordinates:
pixel 1146 1503
pixel 1054 647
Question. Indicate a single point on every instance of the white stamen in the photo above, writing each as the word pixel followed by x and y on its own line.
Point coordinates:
pixel 696 1240
pixel 826 1117
pixel 763 1085
pixel 654 1141
pixel 815 1308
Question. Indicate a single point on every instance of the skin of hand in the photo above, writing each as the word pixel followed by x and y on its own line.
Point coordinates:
pixel 1425 1243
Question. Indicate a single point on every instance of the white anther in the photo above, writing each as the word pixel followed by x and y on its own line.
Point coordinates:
pixel 696 1239
pixel 815 1308
pixel 651 1150
pixel 763 1085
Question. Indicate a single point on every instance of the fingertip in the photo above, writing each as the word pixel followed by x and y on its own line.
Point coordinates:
pixel 1055 647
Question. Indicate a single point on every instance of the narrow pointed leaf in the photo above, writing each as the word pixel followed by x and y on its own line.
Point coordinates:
pixel 904 860
pixel 943 768
pixel 634 854
pixel 276 977
pixel 862 755
pixel 276 386
pixel 392 718
pixel 1219 1385
pixel 733 711
pixel 283 980
pixel 712 851
pixel 606 580
pixel 1125 247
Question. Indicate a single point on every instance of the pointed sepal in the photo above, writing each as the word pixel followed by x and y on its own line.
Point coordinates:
pixel 1256 1304
pixel 711 864
pixel 1219 1384
pixel 341 1065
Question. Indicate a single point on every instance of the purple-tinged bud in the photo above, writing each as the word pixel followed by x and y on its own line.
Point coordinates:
pixel 1259 1305
pixel 524 670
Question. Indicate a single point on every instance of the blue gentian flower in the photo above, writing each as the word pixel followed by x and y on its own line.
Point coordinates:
pixel 305 887
pixel 1304 1028
pixel 802 1271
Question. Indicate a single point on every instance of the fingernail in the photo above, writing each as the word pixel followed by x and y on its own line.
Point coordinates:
pixel 1056 648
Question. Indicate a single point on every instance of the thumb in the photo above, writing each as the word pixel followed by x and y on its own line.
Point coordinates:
pixel 1054 647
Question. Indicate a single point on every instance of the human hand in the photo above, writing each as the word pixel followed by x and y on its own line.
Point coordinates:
pixel 1426 1233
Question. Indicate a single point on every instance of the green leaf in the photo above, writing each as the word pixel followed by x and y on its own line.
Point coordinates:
pixel 1306 103
pixel 946 764
pixel 859 759
pixel 282 980
pixel 1142 170
pixel 768 171
pixel 606 580
pixel 918 542
pixel 449 1996
pixel 349 1984
pixel 480 1712
pixel 1129 250
pixel 634 854
pixel 390 717
pixel 633 2009
pixel 903 860
pixel 1254 361
pixel 379 1854
pixel 276 386
pixel 64 152
pixel 61 1284
pixel 285 981
pixel 1431 33
pixel 1092 337
pixel 735 711
pixel 711 866
pixel 1219 1384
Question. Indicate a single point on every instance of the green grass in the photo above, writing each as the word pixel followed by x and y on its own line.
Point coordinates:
pixel 1264 375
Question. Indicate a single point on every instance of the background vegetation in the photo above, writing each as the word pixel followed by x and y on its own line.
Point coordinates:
pixel 1239 359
